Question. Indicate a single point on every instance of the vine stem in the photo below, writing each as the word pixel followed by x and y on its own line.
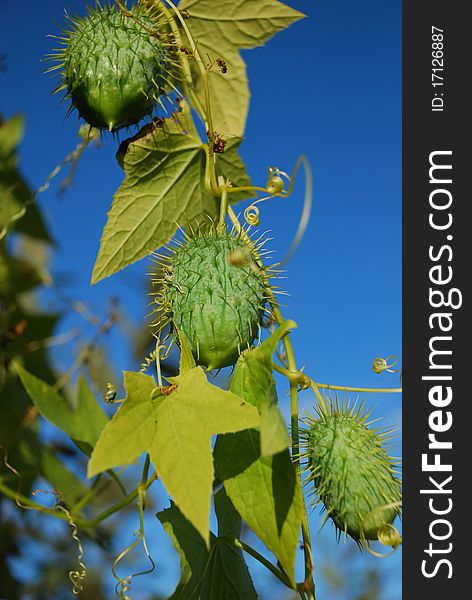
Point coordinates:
pixel 248 188
pixel 281 576
pixel 328 386
pixel 207 114
pixel 25 502
pixel 142 491
pixel 158 363
pixel 223 206
pixel 95 491
pixel 308 585
pixel 342 388
pixel 91 494
pixel 119 505
pixel 184 64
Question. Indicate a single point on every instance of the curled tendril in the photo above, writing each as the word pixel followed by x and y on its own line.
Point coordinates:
pixel 161 299
pixel 123 585
pixel 110 394
pixel 379 365
pixel 14 471
pixel 389 536
pixel 276 184
pixel 149 360
pixel 275 187
pixel 18 475
pixel 76 577
pixel 160 352
pixel 251 215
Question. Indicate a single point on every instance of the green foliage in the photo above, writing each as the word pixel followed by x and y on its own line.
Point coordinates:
pixel 217 305
pixel 213 291
pixel 68 485
pixel 187 361
pixel 253 381
pixel 83 422
pixel 218 572
pixel 353 475
pixel 16 208
pixel 16 276
pixel 175 426
pixel 164 185
pixel 113 69
pixel 222 29
pixel 264 491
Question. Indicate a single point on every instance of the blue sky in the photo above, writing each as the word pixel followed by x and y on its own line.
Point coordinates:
pixel 329 87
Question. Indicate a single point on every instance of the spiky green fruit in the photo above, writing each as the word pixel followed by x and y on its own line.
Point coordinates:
pixel 114 66
pixel 214 294
pixel 354 477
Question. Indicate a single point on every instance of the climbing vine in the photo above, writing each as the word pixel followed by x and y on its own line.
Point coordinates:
pixel 177 71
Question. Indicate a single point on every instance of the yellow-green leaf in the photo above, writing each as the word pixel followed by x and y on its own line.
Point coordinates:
pixel 264 491
pixel 69 487
pixel 175 426
pixel 220 30
pixel 187 360
pixel 254 382
pixel 215 574
pixel 163 185
pixel 83 423
pixel 133 427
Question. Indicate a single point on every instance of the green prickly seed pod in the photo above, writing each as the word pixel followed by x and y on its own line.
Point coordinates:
pixel 114 68
pixel 216 302
pixel 353 475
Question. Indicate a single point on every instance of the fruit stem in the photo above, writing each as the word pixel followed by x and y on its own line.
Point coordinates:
pixel 292 366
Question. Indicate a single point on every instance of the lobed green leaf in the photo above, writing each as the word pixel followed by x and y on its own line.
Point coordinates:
pixel 82 423
pixel 65 482
pixel 264 491
pixel 220 572
pixel 221 29
pixel 253 381
pixel 175 426
pixel 164 185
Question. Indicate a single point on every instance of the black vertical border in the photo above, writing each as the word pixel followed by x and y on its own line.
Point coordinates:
pixel 425 131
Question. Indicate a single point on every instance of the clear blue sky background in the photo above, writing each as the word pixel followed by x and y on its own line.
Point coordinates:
pixel 329 87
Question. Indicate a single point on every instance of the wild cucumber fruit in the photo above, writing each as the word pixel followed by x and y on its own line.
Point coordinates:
pixel 215 301
pixel 353 475
pixel 114 66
